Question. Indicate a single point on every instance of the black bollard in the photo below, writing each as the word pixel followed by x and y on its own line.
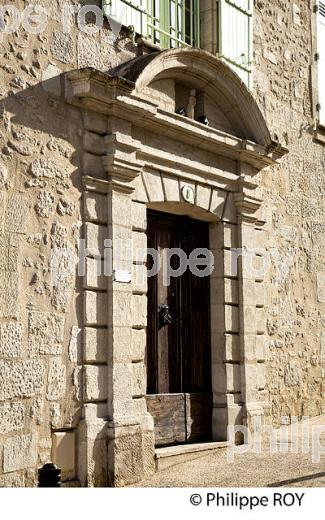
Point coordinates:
pixel 49 476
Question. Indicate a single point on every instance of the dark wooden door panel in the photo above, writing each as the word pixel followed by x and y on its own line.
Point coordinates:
pixel 178 354
pixel 198 417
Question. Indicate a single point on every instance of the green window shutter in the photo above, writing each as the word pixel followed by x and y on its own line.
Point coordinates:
pixel 235 36
pixel 321 62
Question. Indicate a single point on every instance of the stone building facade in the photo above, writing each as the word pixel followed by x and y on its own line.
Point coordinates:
pixel 89 141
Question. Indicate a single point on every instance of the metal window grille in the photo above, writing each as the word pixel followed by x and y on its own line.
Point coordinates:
pixel 170 23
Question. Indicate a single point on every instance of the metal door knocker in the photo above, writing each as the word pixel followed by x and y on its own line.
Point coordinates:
pixel 165 317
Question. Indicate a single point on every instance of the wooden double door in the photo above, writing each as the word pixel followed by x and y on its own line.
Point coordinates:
pixel 178 354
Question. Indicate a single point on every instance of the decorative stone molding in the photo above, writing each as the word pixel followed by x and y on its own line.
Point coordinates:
pixel 143 156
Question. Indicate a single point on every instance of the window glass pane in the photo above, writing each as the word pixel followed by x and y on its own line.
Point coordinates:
pixel 170 23
pixel 235 36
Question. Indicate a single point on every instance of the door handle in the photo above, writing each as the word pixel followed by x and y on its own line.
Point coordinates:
pixel 165 318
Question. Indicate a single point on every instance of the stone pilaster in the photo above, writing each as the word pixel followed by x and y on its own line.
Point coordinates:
pixel 252 264
pixel 130 428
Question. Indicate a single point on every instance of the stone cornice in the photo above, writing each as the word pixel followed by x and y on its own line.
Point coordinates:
pixel 113 96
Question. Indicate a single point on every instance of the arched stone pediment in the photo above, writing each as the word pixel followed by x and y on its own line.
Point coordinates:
pixel 229 103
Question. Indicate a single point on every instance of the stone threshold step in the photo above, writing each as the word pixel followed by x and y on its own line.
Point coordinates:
pixel 166 457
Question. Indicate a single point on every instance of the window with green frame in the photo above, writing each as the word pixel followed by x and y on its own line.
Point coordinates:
pixel 235 42
pixel 169 23
pixel 176 23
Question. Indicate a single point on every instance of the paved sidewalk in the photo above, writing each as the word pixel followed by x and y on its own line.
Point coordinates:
pixel 249 469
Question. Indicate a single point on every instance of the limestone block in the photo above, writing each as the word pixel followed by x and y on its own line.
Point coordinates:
pixel 229 214
pixel 122 388
pixel 203 196
pixel 139 380
pixel 61 292
pixel 93 143
pixel 231 318
pixel 120 336
pixel 74 344
pixel 3 180
pixel 230 262
pixel 95 345
pixel 11 417
pixel 139 247
pixel 95 308
pixel 122 309
pixel 13 480
pixel 139 278
pixel 9 283
pixel 93 165
pixel 261 348
pixel 45 204
pixel 36 409
pixel 95 237
pixel 94 54
pixel 3 198
pixel 139 340
pixel 59 236
pixel 232 378
pixel 45 168
pixel 249 341
pixel 16 212
pixel 140 194
pixel 260 294
pixel 321 288
pixel 139 216
pixel 20 453
pixel 231 291
pixel 249 292
pixel 95 122
pixel 24 379
pixel 96 207
pixel 232 348
pixel 121 209
pixel 322 348
pixel 63 453
pixel 255 267
pixel 55 415
pixel 11 336
pixel 260 320
pixel 261 376
pixel 250 377
pixel 217 202
pixel 153 186
pixel 95 385
pixel 45 332
pixel 95 277
pixel 139 311
pixel 56 379
pixel 62 47
pixel 51 81
pixel 171 187
pixel 249 325
pixel 292 374
pixel 140 406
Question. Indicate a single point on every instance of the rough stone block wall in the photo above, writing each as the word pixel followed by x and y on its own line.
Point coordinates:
pixel 41 165
pixel 294 209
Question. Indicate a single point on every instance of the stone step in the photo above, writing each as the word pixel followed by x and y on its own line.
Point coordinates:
pixel 166 457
